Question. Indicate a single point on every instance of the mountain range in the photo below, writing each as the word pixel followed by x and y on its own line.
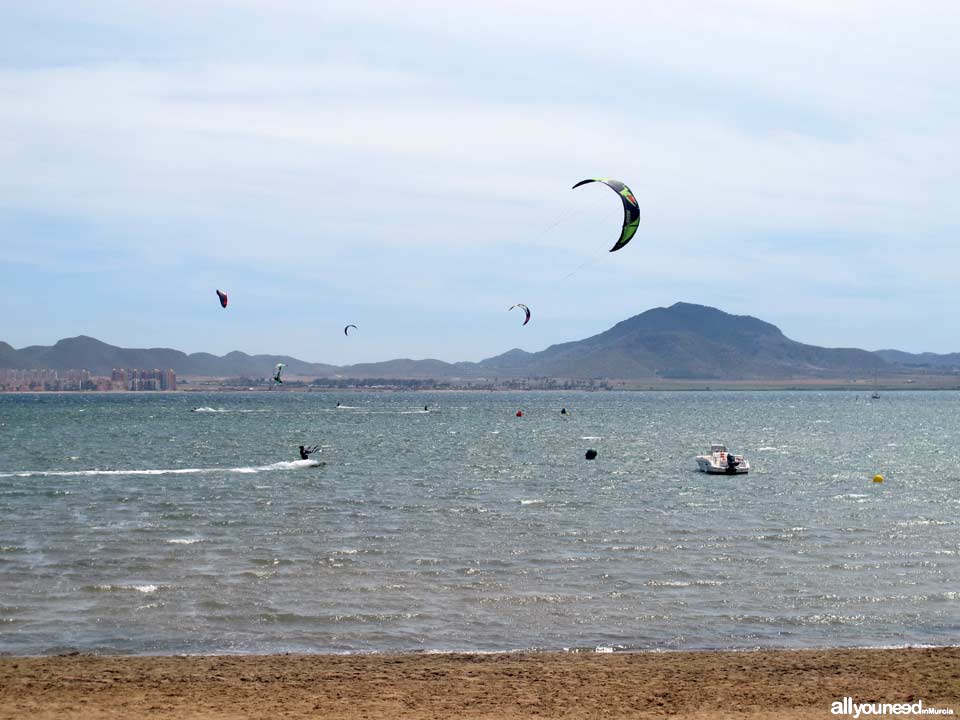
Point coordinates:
pixel 683 341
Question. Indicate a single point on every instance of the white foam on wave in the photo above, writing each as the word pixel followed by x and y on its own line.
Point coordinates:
pixel 921 521
pixel 285 465
pixel 127 588
pixel 184 541
pixel 592 437
pixel 230 410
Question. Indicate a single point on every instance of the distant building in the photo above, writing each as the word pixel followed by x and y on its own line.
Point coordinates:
pixel 37 380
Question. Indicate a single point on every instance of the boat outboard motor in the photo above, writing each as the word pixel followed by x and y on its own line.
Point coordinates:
pixel 732 463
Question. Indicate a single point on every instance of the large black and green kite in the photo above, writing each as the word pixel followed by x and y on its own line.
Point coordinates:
pixel 631 210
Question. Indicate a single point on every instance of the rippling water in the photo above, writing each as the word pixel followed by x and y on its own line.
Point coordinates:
pixel 184 523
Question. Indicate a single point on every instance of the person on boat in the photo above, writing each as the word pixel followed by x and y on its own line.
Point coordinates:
pixel 732 463
pixel 306 452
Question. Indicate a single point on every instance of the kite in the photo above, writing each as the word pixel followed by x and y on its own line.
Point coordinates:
pixel 223 298
pixel 525 310
pixel 631 210
pixel 276 376
pixel 349 326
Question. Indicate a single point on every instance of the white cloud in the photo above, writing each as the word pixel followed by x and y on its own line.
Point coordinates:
pixel 261 131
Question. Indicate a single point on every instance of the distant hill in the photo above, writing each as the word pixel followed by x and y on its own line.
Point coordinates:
pixel 689 341
pixel 949 361
pixel 100 358
pixel 682 341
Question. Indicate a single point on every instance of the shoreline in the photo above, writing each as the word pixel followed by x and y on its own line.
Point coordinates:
pixel 574 650
pixel 787 684
pixel 717 386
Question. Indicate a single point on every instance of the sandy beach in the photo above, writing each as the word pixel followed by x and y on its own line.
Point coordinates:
pixel 774 684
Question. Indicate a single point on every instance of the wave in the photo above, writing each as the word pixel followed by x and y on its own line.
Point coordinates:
pixel 229 410
pixel 123 588
pixel 287 465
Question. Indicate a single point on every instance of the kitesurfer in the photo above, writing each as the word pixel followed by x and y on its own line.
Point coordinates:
pixel 306 452
pixel 563 411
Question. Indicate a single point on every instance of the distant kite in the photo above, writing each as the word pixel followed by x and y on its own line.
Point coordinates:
pixel 276 376
pixel 223 298
pixel 631 209
pixel 349 326
pixel 525 309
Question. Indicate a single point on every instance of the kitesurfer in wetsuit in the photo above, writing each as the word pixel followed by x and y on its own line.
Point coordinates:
pixel 306 452
pixel 732 463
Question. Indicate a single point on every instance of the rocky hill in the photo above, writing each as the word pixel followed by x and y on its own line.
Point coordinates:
pixel 682 341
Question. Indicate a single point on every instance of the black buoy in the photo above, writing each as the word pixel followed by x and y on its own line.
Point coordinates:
pixel 591 454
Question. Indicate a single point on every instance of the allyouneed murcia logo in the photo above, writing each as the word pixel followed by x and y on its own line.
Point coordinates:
pixel 848 707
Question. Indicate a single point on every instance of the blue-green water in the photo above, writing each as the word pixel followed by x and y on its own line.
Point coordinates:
pixel 135 523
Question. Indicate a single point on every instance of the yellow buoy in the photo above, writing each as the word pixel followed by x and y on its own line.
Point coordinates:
pixel 878 478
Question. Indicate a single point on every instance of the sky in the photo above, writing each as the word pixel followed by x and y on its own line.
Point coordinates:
pixel 407 167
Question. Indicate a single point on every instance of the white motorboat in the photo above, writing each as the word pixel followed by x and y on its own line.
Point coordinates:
pixel 717 462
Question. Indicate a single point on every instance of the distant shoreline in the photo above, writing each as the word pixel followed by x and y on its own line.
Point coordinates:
pixel 705 386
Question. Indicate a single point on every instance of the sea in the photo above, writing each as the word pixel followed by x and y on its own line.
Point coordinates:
pixel 185 523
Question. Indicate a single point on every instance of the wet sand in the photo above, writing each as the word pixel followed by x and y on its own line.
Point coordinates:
pixel 769 684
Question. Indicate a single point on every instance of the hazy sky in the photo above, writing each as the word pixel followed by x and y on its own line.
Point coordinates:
pixel 407 167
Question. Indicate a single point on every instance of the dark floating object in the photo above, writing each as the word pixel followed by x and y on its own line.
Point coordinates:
pixel 591 454
pixel 223 298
